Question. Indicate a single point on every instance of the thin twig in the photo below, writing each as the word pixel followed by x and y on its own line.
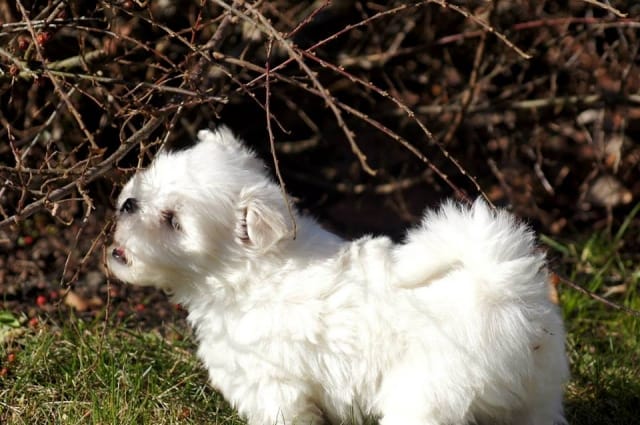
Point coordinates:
pixel 92 174
pixel 64 172
pixel 469 94
pixel 484 25
pixel 276 164
pixel 569 20
pixel 74 112
pixel 411 116
pixel 10 27
pixel 308 19
pixel 460 193
pixel 597 297
pixel 377 125
pixel 531 104
pixel 606 7
pixel 334 36
pixel 268 29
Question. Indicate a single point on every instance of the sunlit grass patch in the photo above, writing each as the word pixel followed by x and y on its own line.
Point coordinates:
pixel 94 374
pixel 603 342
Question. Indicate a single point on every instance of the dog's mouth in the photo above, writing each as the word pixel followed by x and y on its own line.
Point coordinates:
pixel 118 254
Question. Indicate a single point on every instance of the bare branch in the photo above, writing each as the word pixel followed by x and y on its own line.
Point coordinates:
pixel 92 174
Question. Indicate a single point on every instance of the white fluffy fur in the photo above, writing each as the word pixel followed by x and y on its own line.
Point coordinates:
pixel 453 326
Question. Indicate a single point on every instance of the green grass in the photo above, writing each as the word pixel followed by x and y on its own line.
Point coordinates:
pixel 603 343
pixel 97 373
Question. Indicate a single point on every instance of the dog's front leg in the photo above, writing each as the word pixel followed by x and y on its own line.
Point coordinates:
pixel 281 404
pixel 285 416
pixel 309 417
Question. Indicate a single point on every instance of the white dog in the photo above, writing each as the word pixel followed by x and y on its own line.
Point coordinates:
pixel 453 326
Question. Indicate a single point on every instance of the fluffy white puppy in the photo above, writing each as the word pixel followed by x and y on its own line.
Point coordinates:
pixel 453 326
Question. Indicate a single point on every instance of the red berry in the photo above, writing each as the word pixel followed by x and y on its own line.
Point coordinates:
pixel 28 240
pixel 43 37
pixel 139 307
pixel 33 322
pixel 41 300
pixel 23 43
pixel 11 357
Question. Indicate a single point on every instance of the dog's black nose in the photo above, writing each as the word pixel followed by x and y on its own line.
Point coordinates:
pixel 129 206
pixel 118 255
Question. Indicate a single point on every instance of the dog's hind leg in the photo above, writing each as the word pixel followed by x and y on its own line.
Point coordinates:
pixel 409 397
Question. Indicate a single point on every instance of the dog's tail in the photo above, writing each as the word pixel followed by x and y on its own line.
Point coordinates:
pixel 488 243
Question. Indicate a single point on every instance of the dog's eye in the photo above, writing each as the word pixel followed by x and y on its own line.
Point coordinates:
pixel 129 206
pixel 169 217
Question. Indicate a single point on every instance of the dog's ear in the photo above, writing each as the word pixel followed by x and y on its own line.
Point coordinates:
pixel 221 135
pixel 261 218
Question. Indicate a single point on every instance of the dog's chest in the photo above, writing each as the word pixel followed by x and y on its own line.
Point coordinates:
pixel 327 343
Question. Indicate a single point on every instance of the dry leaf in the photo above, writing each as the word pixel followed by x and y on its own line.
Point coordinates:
pixel 76 302
pixel 607 191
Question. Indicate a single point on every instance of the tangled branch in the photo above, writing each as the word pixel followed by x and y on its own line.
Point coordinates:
pixel 408 102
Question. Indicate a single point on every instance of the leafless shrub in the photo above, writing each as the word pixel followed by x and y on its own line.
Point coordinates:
pixel 526 103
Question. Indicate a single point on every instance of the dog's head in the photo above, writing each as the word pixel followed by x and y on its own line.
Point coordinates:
pixel 194 211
